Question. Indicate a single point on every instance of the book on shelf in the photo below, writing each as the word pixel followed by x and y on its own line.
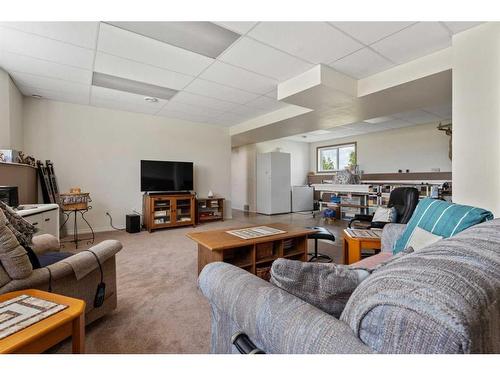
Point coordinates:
pixel 160 213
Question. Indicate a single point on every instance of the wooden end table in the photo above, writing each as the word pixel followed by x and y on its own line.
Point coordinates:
pixel 354 245
pixel 44 334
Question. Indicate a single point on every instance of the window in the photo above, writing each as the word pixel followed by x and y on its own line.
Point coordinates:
pixel 336 157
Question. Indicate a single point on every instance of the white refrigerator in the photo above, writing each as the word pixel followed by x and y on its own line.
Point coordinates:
pixel 273 183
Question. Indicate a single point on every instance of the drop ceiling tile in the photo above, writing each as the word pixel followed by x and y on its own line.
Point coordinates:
pixel 45 83
pixel 266 103
pixel 47 49
pixel 362 63
pixel 442 111
pixel 273 93
pixel 202 101
pixel 118 42
pixel 316 42
pixel 369 32
pixel 238 27
pixel 214 90
pixel 457 27
pixel 80 96
pixel 247 111
pixel 12 62
pixel 417 117
pixel 185 116
pixel 192 109
pixel 83 34
pixel 124 98
pixel 229 119
pixel 259 58
pixel 395 124
pixel 239 78
pixel 364 127
pixel 122 106
pixel 120 67
pixel 415 41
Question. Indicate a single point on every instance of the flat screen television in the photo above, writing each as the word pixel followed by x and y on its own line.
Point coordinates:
pixel 165 176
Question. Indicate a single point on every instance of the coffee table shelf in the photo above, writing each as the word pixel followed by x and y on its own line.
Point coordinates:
pixel 219 246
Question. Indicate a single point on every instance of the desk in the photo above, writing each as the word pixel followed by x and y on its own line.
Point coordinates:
pixel 354 245
pixel 44 334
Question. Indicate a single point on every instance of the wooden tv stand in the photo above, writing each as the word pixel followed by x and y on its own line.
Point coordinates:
pixel 168 210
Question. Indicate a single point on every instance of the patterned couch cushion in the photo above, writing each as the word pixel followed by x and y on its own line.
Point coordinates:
pixel 444 298
pixel 326 286
pixel 23 230
pixel 441 219
pixel 13 257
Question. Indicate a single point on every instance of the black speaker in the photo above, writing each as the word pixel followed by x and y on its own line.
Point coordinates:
pixel 133 223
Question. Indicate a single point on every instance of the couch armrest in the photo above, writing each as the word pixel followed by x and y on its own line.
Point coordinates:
pixel 275 320
pixel 390 235
pixel 44 243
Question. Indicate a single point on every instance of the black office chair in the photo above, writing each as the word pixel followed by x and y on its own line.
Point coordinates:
pixel 403 199
pixel 321 234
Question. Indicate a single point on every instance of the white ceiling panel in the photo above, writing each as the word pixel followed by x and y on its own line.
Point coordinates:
pixel 30 80
pixel 237 27
pixel 202 101
pixel 239 78
pixel 193 109
pixel 122 106
pixel 395 124
pixel 83 34
pixel 214 90
pixel 136 100
pixel 12 62
pixel 259 58
pixel 267 103
pixel 118 42
pixel 81 97
pixel 442 111
pixel 415 41
pixel 273 93
pixel 364 127
pixel 316 42
pixel 457 27
pixel 185 116
pixel 417 117
pixel 47 49
pixel 247 111
pixel 362 63
pixel 369 32
pixel 229 119
pixel 117 66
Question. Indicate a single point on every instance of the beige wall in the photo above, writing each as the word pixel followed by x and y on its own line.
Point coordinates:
pixel 11 111
pixel 418 148
pixel 100 150
pixel 476 117
pixel 243 159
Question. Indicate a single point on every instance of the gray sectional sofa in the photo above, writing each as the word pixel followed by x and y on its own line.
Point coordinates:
pixel 444 298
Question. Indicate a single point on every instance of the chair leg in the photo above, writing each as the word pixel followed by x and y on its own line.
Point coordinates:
pixel 317 255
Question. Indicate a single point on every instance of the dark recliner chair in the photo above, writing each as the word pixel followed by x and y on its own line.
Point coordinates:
pixel 403 199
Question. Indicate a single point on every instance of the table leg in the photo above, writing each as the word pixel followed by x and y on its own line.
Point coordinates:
pixel 354 252
pixel 78 336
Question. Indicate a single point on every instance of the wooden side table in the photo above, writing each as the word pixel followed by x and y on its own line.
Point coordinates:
pixel 44 334
pixel 354 245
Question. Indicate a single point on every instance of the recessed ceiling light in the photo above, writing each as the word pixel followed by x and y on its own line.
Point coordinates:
pixel 150 99
pixel 205 38
pixel 135 87
pixel 36 96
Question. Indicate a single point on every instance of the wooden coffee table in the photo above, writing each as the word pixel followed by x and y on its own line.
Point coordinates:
pixel 354 245
pixel 44 334
pixel 250 254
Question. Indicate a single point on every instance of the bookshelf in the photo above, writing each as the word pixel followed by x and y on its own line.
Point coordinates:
pixel 168 210
pixel 209 209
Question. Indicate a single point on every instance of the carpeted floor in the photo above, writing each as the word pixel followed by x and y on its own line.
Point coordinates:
pixel 160 309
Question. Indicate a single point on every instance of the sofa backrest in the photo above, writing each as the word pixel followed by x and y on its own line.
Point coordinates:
pixel 444 298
